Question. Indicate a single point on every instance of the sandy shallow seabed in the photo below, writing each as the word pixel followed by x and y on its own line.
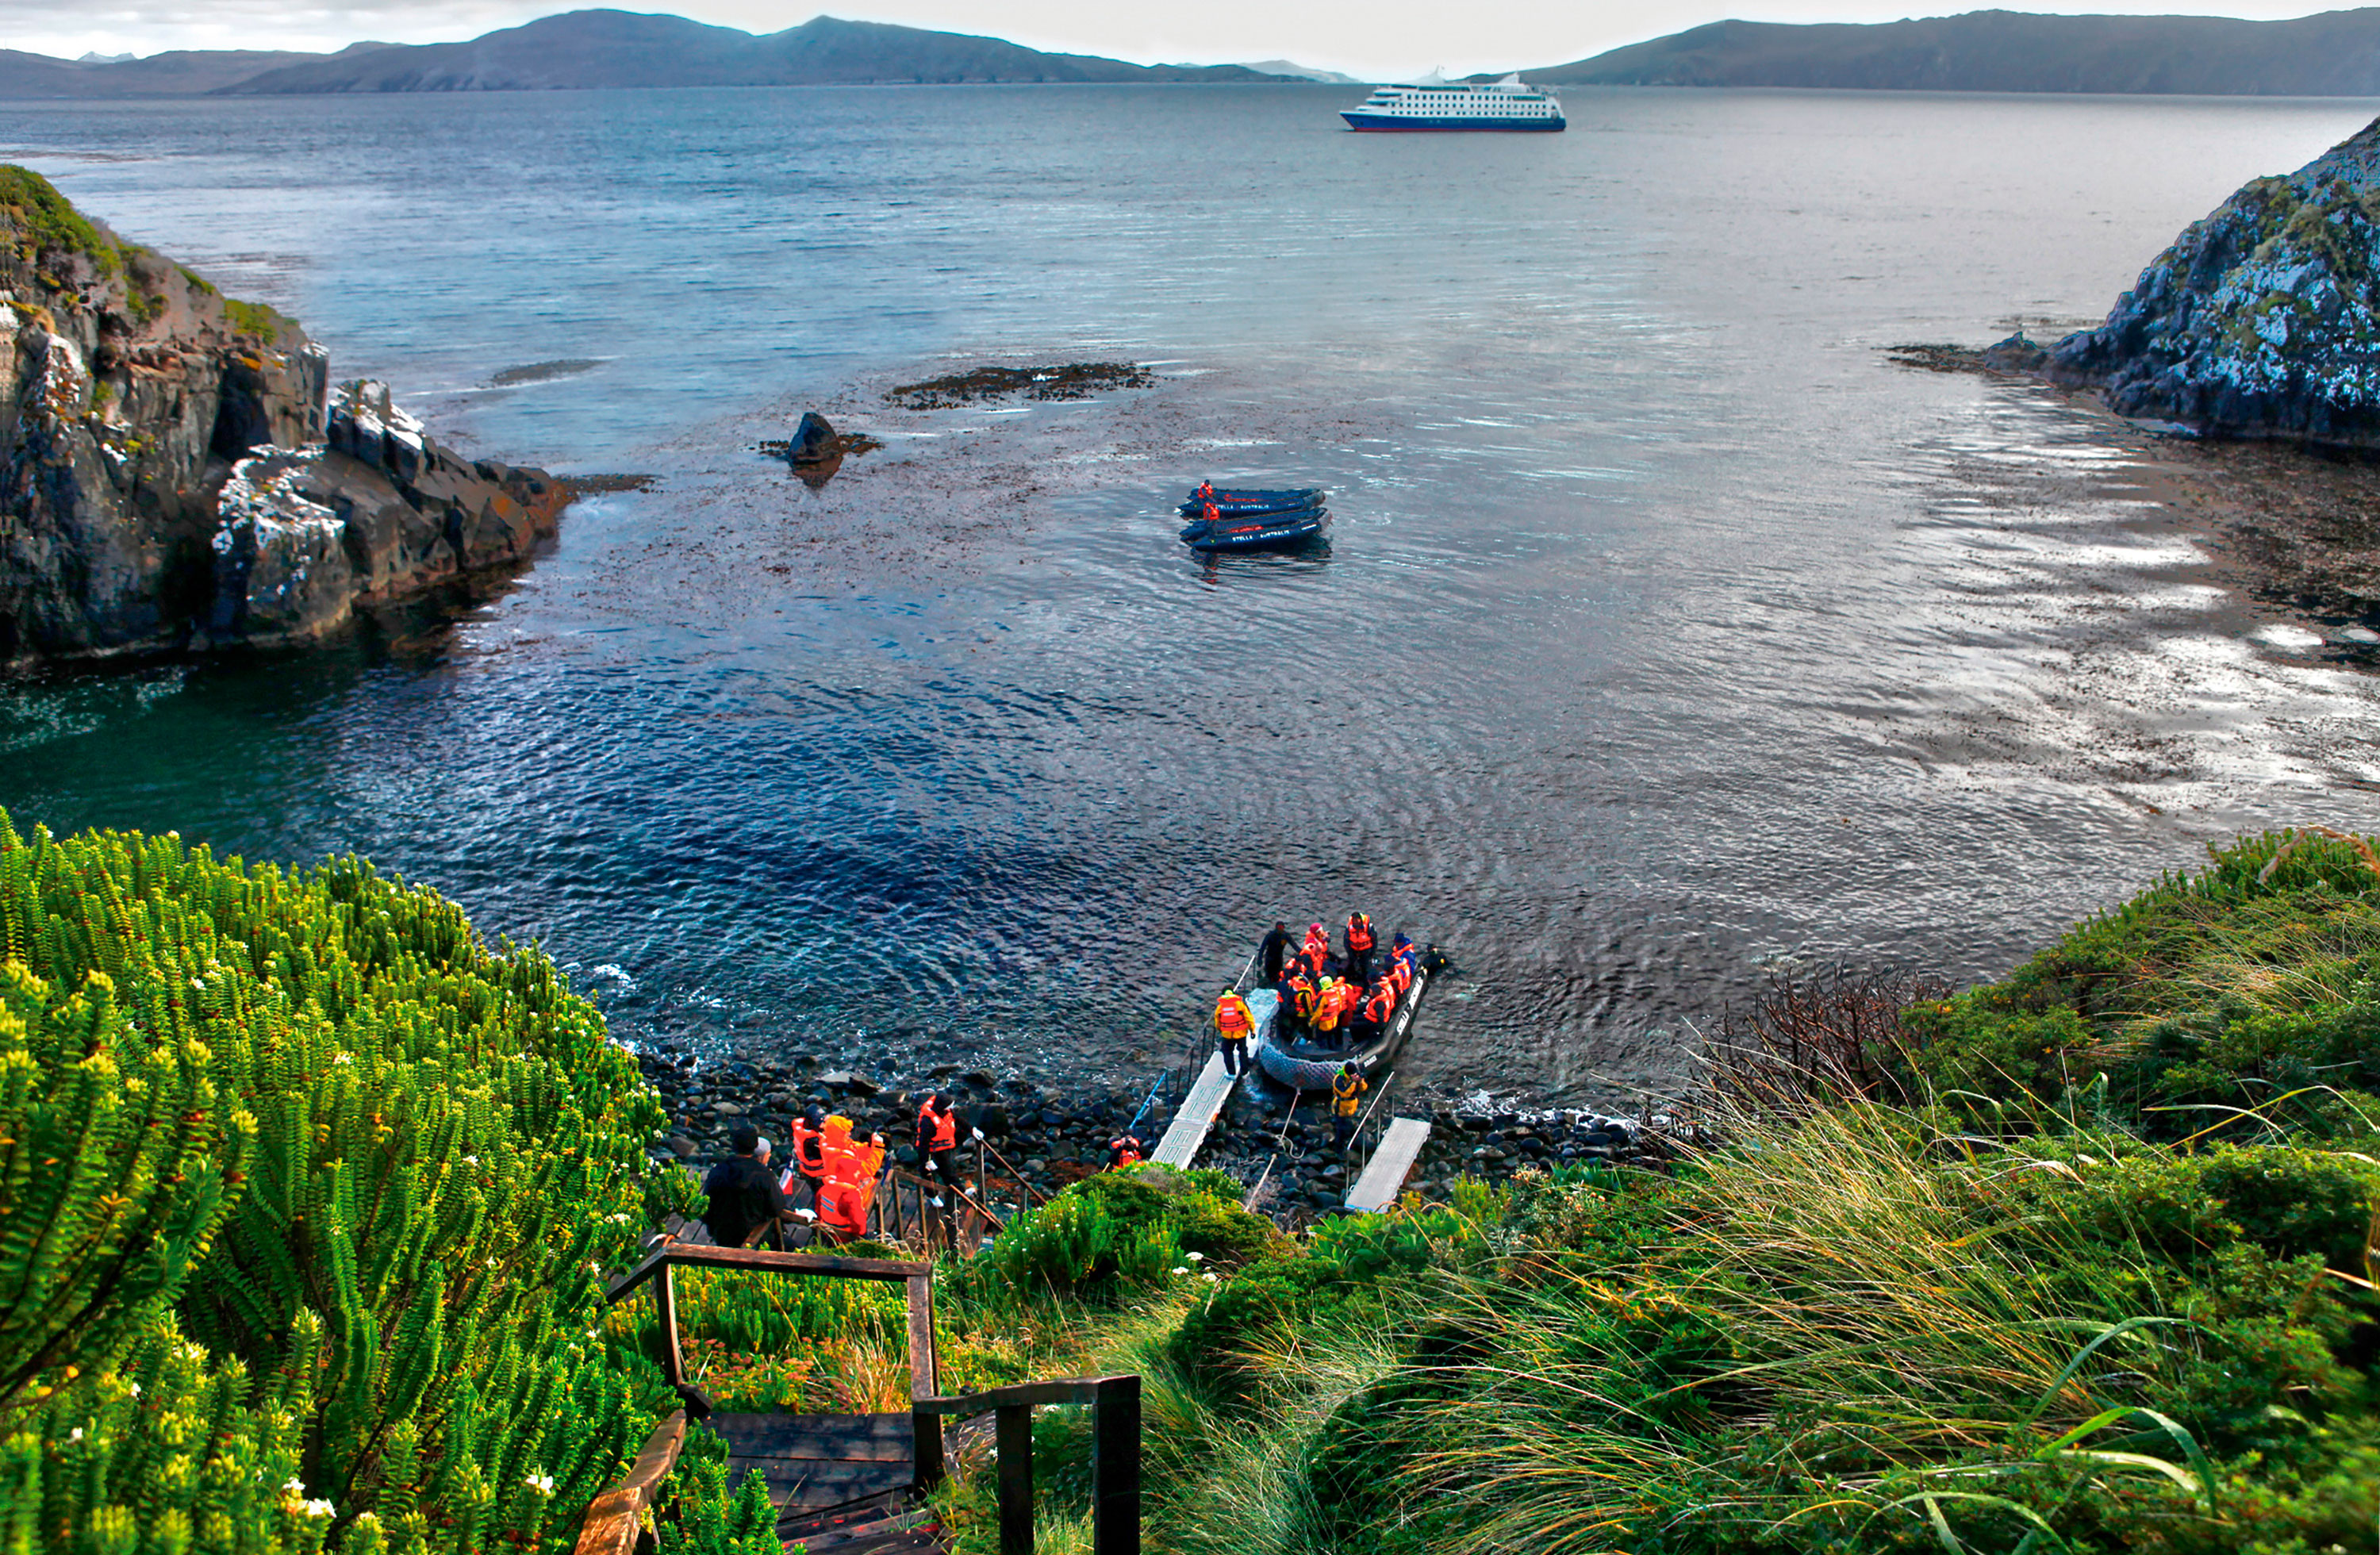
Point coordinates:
pixel 953 496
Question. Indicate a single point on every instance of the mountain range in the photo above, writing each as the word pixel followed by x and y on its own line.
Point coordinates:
pixel 2333 55
pixel 598 49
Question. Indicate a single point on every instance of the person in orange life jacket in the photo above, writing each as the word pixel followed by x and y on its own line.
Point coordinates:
pixel 1360 941
pixel 1235 1024
pixel 1296 1003
pixel 1330 1005
pixel 743 1192
pixel 1123 1150
pixel 1206 491
pixel 800 1178
pixel 1316 949
pixel 1372 1014
pixel 1275 952
pixel 850 1186
pixel 1347 1089
pixel 938 1142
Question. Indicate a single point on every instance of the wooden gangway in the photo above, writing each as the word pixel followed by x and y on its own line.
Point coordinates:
pixel 1188 1134
pixel 1392 1161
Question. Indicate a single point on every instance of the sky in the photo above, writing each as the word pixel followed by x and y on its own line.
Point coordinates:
pixel 1373 38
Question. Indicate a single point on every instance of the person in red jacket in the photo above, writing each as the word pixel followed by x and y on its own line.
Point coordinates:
pixel 938 1142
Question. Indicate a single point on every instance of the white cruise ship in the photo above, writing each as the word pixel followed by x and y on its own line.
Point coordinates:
pixel 1434 103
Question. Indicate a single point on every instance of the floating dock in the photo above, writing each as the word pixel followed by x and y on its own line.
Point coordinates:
pixel 1384 1175
pixel 1188 1131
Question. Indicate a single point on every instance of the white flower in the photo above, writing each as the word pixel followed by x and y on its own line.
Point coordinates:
pixel 540 1483
pixel 136 1389
pixel 1195 1257
pixel 295 1486
pixel 1181 1269
pixel 471 1160
pixel 318 1509
pixel 1208 1278
pixel 343 1058
pixel 75 1434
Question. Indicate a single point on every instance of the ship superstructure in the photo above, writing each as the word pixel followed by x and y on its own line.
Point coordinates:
pixel 1434 103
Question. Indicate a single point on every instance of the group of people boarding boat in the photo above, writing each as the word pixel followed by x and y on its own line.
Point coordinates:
pixel 1331 1001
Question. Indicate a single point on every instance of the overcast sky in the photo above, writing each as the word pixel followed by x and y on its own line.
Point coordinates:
pixel 1376 39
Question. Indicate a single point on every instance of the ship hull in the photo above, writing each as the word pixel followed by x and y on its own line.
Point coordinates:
pixel 1357 119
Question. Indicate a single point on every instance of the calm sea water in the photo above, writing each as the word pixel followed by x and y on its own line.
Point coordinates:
pixel 1667 634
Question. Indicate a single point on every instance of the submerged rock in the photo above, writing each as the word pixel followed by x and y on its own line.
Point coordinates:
pixel 175 472
pixel 2262 319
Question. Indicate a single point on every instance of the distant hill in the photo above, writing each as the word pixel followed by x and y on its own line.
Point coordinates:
pixel 184 73
pixel 626 49
pixel 1295 71
pixel 2333 55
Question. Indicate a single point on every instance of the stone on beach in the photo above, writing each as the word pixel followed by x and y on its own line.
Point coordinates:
pixel 814 442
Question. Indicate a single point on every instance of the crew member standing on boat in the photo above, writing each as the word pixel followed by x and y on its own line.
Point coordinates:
pixel 1359 949
pixel 1235 1024
pixel 1298 1001
pixel 1347 1089
pixel 1276 951
pixel 1317 950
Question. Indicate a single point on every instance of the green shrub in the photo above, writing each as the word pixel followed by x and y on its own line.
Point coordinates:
pixel 705 1518
pixel 353 1154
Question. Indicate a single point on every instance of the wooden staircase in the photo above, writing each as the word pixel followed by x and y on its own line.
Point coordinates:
pixel 857 1483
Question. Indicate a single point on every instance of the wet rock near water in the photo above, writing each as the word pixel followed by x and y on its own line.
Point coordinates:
pixel 1071 381
pixel 176 474
pixel 1049 1135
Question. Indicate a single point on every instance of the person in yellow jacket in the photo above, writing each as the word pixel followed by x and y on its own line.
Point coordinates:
pixel 850 1179
pixel 1235 1024
pixel 1347 1089
pixel 1327 1006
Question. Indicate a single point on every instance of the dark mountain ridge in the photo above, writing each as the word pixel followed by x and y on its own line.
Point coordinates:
pixel 2335 54
pixel 595 49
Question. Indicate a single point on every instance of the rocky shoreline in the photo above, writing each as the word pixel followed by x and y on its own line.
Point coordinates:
pixel 177 474
pixel 1050 1135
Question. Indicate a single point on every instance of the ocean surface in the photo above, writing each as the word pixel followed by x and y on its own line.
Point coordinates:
pixel 1668 635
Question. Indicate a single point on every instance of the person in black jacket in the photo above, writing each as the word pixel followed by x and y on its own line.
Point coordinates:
pixel 744 1192
pixel 1276 951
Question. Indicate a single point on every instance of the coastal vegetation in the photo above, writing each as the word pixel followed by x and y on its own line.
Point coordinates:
pixel 305 1196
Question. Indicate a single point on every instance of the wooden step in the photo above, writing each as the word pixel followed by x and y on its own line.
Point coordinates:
pixel 820 1460
pixel 896 1520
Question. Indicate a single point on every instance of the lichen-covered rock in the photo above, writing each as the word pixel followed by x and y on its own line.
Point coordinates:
pixel 174 473
pixel 2262 319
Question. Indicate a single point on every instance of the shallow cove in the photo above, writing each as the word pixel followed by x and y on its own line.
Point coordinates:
pixel 1665 632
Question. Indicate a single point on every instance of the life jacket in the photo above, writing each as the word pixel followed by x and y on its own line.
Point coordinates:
pixel 805 1142
pixel 1317 946
pixel 1359 933
pixel 1326 1008
pixel 849 1163
pixel 939 1130
pixel 1206 491
pixel 1382 1003
pixel 1400 976
pixel 1346 996
pixel 1346 1090
pixel 1304 998
pixel 1123 1150
pixel 1208 512
pixel 1232 1016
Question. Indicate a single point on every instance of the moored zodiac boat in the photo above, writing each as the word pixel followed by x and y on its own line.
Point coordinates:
pixel 1434 103
pixel 1255 520
pixel 1307 1065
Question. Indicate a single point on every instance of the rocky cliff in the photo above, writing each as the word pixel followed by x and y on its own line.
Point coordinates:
pixel 176 474
pixel 2263 320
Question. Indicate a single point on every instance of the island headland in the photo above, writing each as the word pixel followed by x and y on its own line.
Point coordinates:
pixel 176 473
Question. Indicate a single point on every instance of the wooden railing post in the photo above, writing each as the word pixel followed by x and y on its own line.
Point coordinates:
pixel 925 1430
pixel 1014 1444
pixel 665 1298
pixel 1115 1466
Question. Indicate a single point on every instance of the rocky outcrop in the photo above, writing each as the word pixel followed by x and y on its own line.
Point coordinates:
pixel 175 473
pixel 2263 320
